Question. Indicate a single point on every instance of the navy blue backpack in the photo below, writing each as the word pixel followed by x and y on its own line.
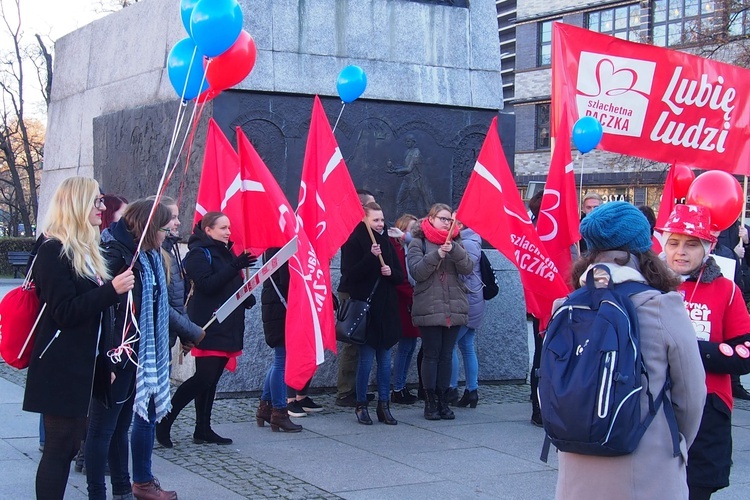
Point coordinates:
pixel 591 374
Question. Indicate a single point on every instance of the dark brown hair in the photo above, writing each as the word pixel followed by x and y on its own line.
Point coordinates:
pixel 656 272
pixel 136 216
pixel 535 203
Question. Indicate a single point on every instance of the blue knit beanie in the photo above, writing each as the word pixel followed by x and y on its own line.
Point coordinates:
pixel 616 225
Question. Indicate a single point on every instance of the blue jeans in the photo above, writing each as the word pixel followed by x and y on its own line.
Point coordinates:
pixel 366 356
pixel 142 444
pixel 404 354
pixel 465 342
pixel 107 439
pixel 274 387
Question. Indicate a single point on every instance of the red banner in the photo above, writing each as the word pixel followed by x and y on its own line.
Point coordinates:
pixel 652 102
pixel 492 207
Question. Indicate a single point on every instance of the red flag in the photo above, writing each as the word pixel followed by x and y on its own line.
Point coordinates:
pixel 492 207
pixel 309 323
pixel 665 207
pixel 557 224
pixel 328 206
pixel 219 188
pixel 667 198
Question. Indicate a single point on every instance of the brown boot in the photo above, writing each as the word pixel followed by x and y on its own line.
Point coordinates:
pixel 152 491
pixel 263 414
pixel 280 420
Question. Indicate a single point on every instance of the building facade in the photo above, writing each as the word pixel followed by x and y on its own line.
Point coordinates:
pixel 681 24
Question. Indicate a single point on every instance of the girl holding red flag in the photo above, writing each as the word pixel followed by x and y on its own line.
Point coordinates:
pixel 436 258
pixel 722 326
pixel 216 274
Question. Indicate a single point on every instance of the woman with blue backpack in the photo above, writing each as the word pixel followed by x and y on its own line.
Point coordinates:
pixel 721 324
pixel 620 260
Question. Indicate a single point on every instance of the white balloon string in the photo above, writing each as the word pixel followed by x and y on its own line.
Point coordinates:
pixel 343 105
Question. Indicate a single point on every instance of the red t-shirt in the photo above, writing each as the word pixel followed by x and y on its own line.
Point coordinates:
pixel 718 313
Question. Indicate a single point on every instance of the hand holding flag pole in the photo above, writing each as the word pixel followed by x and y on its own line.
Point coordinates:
pixel 372 237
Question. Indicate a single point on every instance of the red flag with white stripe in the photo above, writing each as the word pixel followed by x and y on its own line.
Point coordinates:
pixel 309 321
pixel 328 208
pixel 219 187
pixel 557 224
pixel 492 206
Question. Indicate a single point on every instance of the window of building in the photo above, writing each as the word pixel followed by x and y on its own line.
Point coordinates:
pixel 542 127
pixel 544 43
pixel 680 22
pixel 739 20
pixel 623 22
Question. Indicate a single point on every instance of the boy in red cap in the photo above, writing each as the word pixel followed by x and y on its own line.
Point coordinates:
pixel 722 327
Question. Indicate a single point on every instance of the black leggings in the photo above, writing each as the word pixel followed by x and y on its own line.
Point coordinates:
pixel 700 493
pixel 437 343
pixel 63 437
pixel 201 387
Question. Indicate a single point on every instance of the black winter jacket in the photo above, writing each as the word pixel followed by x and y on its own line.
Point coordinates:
pixel 63 364
pixel 213 283
pixel 360 270
pixel 273 310
pixel 179 322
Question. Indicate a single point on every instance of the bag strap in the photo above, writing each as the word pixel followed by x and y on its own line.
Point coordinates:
pixel 373 290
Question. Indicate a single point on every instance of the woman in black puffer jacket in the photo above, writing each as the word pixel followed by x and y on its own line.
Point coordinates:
pixel 215 273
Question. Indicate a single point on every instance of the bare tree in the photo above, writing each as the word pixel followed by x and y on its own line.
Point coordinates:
pixel 21 139
pixel 114 5
pixel 722 34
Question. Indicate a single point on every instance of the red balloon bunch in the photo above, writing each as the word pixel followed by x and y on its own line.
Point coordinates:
pixel 231 67
pixel 721 193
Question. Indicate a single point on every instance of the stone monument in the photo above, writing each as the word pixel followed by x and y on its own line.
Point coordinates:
pixel 434 85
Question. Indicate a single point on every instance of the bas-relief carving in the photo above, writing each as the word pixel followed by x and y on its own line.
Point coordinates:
pixel 409 155
pixel 130 150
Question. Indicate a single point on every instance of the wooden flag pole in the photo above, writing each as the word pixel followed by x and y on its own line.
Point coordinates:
pixel 450 231
pixel 372 237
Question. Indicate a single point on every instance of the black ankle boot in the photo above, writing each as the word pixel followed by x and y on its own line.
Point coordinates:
pixel 384 413
pixel 209 436
pixel 430 406
pixel 470 398
pixel 363 415
pixel 164 430
pixel 442 405
pixel 451 395
pixel 403 397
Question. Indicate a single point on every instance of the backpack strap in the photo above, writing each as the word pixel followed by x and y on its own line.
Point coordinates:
pixel 545 448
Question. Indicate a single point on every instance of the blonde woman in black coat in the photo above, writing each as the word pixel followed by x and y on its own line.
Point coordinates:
pixel 72 278
pixel 361 272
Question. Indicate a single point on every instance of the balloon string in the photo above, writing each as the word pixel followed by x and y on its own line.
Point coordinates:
pixel 580 194
pixel 343 105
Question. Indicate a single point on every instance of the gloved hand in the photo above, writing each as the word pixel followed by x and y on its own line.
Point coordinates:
pixel 242 261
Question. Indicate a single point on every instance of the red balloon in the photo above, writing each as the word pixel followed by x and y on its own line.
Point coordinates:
pixel 683 177
pixel 206 96
pixel 232 66
pixel 721 193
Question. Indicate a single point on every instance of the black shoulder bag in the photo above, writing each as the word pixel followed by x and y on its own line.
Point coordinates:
pixel 352 318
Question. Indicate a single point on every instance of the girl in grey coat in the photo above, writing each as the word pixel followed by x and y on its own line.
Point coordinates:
pixel 440 305
pixel 619 237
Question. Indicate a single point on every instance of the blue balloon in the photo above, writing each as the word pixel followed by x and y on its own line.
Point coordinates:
pixel 587 132
pixel 351 83
pixel 215 25
pixel 181 71
pixel 186 9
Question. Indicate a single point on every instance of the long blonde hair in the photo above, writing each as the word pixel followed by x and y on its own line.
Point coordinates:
pixel 68 221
